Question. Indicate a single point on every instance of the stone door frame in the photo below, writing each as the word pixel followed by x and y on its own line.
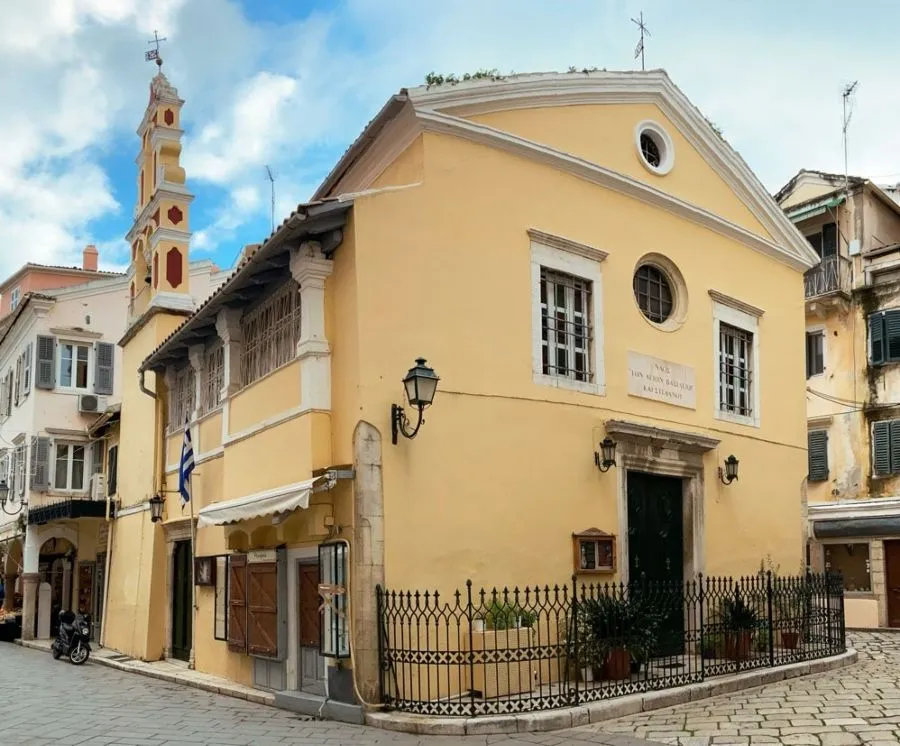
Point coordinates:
pixel 670 453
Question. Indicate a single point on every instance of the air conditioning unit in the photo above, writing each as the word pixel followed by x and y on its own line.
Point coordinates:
pixel 98 486
pixel 91 403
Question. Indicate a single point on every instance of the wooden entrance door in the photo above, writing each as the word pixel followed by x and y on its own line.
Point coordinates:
pixel 312 664
pixel 182 582
pixel 656 550
pixel 892 576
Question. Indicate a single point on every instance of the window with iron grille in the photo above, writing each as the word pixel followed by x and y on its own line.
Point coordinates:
pixel 566 333
pixel 182 398
pixel 271 332
pixel 735 370
pixel 213 379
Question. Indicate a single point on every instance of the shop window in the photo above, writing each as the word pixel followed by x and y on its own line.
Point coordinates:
pixel 333 591
pixel 852 561
pixel 221 611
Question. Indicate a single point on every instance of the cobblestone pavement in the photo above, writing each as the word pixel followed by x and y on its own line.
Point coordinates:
pixel 856 705
pixel 49 702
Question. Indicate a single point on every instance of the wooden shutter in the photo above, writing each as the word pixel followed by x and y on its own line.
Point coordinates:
pixel 237 603
pixel 891 336
pixel 895 446
pixel 876 337
pixel 40 464
pixel 103 379
pixel 262 609
pixel 26 371
pixel 817 442
pixel 881 451
pixel 45 377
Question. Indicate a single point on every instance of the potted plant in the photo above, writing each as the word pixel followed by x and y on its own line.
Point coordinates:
pixel 793 611
pixel 506 616
pixel 620 634
pixel 739 621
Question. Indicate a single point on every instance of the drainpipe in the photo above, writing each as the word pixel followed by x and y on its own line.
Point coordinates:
pixel 157 451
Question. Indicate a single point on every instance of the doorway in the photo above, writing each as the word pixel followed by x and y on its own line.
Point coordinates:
pixel 311 670
pixel 656 549
pixel 182 586
pixel 892 578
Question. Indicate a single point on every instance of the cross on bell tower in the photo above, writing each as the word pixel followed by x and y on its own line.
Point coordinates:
pixel 153 54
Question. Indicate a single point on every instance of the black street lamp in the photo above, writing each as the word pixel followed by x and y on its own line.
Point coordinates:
pixel 4 497
pixel 730 472
pixel 606 457
pixel 156 508
pixel 420 384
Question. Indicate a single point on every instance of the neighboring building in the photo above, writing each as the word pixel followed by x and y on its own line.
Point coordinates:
pixel 60 377
pixel 38 278
pixel 580 257
pixel 853 401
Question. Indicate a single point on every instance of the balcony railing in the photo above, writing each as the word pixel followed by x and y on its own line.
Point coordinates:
pixel 832 275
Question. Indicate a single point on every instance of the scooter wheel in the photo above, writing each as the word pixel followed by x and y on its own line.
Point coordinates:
pixel 79 654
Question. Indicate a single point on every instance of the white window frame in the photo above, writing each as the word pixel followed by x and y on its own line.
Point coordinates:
pixel 212 378
pixel 86 474
pixel 182 398
pixel 723 314
pixel 15 297
pixel 59 365
pixel 560 258
pixel 816 329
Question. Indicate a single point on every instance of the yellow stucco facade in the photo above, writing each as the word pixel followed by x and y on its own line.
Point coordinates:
pixel 445 235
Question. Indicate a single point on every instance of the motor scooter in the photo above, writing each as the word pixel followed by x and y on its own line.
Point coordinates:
pixel 73 639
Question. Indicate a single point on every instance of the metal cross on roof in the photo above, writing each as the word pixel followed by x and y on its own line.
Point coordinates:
pixel 153 54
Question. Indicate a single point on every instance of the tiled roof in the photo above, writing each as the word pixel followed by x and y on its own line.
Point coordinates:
pixel 305 215
pixel 30 266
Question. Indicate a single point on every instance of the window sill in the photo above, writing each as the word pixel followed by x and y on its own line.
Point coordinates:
pixel 558 382
pixel 59 492
pixel 736 419
pixel 862 595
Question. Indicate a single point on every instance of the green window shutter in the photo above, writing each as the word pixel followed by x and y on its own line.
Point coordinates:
pixel 895 446
pixel 892 336
pixel 817 442
pixel 881 450
pixel 876 337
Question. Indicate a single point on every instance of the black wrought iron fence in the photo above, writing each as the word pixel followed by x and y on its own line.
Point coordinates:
pixel 503 651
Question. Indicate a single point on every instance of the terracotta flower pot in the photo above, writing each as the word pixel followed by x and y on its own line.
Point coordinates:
pixel 790 640
pixel 737 644
pixel 618 664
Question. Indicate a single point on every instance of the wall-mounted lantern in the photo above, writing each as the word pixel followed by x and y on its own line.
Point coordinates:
pixel 730 472
pixel 420 384
pixel 4 497
pixel 605 458
pixel 156 508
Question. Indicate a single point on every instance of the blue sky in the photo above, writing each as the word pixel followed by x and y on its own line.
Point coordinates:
pixel 290 83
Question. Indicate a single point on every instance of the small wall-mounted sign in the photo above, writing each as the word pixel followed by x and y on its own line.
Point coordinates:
pixel 652 378
pixel 261 555
pixel 205 571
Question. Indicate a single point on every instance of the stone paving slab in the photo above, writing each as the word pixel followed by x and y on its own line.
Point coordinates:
pixel 856 705
pixel 54 702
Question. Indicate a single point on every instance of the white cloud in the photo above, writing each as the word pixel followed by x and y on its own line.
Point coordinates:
pixel 293 95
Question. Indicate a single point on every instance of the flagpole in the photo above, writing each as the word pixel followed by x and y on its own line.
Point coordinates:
pixel 193 586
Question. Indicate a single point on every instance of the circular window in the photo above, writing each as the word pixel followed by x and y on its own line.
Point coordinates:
pixel 653 293
pixel 654 147
pixel 650 150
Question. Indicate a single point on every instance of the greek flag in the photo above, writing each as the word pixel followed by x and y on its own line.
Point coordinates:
pixel 187 467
